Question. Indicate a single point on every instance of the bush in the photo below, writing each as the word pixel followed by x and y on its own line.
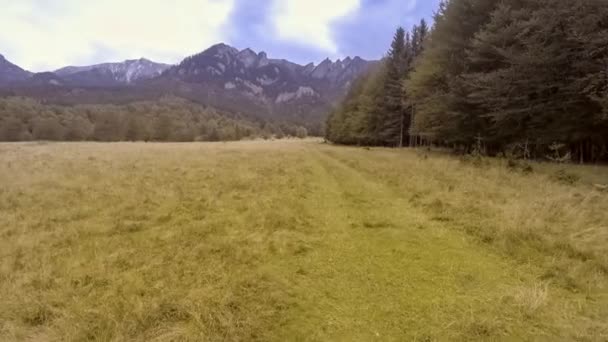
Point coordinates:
pixel 301 132
pixel 473 159
pixel 565 177
pixel 519 166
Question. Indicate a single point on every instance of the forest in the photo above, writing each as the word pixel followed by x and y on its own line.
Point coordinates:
pixel 521 78
pixel 167 119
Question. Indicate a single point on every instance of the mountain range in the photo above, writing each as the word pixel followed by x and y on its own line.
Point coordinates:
pixel 112 74
pixel 222 76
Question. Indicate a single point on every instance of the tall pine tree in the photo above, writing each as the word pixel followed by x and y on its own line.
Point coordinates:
pixel 539 75
pixel 387 121
pixel 436 85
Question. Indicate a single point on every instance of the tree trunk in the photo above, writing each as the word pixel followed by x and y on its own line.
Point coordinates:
pixel 402 128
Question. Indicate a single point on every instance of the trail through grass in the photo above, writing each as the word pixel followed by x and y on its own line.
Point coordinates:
pixel 296 241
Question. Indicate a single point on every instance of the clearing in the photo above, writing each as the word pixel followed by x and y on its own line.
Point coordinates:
pixel 296 241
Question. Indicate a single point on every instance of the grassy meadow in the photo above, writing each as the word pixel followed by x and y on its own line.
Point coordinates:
pixel 296 241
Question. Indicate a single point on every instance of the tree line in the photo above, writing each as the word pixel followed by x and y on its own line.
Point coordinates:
pixel 526 78
pixel 168 119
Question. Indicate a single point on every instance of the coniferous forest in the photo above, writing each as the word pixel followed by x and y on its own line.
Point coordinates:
pixel 521 78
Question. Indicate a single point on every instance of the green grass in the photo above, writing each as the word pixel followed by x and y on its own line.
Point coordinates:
pixel 296 241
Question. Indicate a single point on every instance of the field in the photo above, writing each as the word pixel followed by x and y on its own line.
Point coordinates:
pixel 296 241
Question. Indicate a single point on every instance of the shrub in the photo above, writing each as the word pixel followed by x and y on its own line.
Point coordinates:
pixel 521 166
pixel 565 177
pixel 473 159
pixel 301 132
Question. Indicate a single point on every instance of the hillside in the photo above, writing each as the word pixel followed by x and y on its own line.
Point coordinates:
pixel 10 73
pixel 244 83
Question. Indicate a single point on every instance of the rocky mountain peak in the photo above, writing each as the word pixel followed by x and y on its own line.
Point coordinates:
pixel 308 68
pixel 221 49
pixel 106 74
pixel 248 57
pixel 262 59
pixel 322 69
pixel 229 77
pixel 248 51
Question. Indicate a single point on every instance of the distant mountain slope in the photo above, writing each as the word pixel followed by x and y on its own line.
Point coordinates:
pixel 248 81
pixel 10 73
pixel 239 81
pixel 268 80
pixel 109 74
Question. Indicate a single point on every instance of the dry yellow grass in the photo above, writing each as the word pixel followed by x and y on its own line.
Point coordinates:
pixel 293 240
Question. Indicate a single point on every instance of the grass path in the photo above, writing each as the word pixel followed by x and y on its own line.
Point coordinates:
pixel 283 241
pixel 385 272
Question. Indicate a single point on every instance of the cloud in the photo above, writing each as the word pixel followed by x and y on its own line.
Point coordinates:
pixel 253 24
pixel 308 22
pixel 42 35
pixel 368 32
pixel 311 30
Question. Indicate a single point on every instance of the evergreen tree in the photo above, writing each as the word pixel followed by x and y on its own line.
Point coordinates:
pixel 538 79
pixel 419 34
pixel 352 122
pixel 134 130
pixel 436 85
pixel 388 121
pixel 47 128
pixel 376 110
pixel 494 75
pixel 13 129
pixel 163 128
pixel 78 128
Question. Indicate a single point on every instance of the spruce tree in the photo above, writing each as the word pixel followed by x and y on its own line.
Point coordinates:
pixel 389 119
pixel 538 75
pixel 436 85
pixel 491 74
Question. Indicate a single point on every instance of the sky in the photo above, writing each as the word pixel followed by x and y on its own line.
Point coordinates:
pixel 42 35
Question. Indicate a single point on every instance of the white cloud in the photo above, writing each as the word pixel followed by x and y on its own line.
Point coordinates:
pixel 44 35
pixel 308 22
